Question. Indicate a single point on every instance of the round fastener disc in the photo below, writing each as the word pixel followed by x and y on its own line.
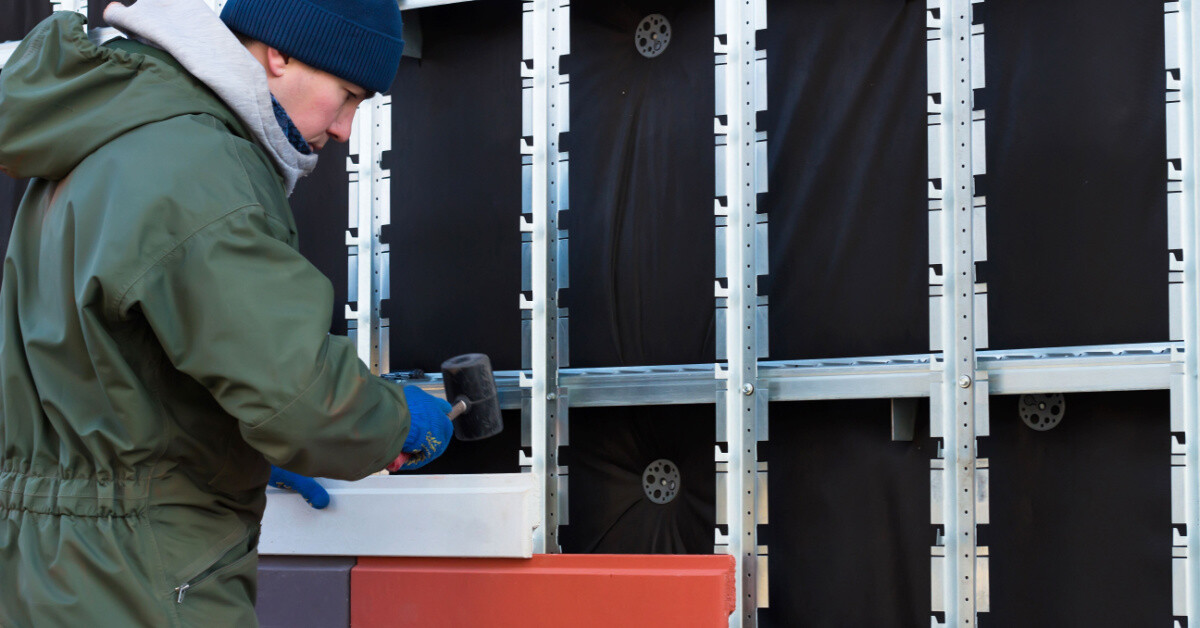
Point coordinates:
pixel 652 35
pixel 660 480
pixel 1042 411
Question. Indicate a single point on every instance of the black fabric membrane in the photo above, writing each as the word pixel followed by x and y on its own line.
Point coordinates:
pixel 456 190
pixel 320 205
pixel 1080 530
pixel 610 512
pixel 849 531
pixel 847 144
pixel 1076 183
pixel 642 184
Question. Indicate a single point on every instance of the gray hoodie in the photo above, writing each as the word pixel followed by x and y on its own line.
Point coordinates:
pixel 213 54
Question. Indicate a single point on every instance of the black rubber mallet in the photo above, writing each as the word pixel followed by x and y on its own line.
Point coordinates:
pixel 471 388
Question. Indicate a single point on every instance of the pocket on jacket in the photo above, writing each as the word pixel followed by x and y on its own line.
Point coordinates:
pixel 224 594
pixel 246 546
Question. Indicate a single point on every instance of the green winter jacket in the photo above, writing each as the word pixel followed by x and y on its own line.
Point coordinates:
pixel 161 341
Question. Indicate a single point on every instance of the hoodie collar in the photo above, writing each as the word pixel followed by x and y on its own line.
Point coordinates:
pixel 212 53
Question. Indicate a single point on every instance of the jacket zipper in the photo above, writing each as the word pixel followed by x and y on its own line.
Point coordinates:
pixel 216 567
pixel 208 574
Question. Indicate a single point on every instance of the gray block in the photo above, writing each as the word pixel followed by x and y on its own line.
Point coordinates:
pixel 301 591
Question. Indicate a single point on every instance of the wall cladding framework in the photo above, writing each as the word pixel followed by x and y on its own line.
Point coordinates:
pixel 973 562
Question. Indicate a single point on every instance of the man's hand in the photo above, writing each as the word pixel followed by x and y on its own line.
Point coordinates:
pixel 308 488
pixel 429 431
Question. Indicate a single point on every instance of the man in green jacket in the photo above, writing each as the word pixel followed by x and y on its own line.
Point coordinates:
pixel 162 341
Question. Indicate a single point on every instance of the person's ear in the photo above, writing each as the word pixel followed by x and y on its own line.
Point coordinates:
pixel 277 62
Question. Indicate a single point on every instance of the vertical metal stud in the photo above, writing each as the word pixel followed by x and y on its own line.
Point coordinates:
pixel 78 6
pixel 958 317
pixel 369 211
pixel 741 170
pixel 545 99
pixel 1182 26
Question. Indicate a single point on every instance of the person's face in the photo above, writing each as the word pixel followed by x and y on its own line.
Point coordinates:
pixel 321 105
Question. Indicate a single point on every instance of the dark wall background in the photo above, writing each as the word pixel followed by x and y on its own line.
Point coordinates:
pixel 456 190
pixel 1081 514
pixel 1076 181
pixel 849 535
pixel 848 208
pixel 642 183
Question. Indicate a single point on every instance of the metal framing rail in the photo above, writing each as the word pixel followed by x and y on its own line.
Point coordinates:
pixel 368 283
pixel 741 405
pixel 1098 368
pixel 958 313
pixel 545 39
pixel 1182 27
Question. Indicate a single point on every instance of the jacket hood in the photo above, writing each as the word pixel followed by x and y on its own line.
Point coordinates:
pixel 210 52
pixel 62 97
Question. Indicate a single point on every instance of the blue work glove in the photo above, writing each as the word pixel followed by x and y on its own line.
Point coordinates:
pixel 429 431
pixel 308 488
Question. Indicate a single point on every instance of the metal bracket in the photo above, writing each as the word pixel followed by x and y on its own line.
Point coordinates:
pixel 904 419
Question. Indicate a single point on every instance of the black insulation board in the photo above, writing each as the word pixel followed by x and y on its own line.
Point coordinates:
pixel 1080 530
pixel 849 531
pixel 641 219
pixel 1076 183
pixel 610 450
pixel 319 204
pixel 20 16
pixel 456 190
pixel 847 205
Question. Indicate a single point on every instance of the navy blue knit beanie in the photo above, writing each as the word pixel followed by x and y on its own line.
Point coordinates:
pixel 357 40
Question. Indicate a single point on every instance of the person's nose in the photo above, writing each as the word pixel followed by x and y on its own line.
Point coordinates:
pixel 342 126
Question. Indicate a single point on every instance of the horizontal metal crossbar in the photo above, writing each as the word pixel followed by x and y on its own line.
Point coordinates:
pixel 1055 369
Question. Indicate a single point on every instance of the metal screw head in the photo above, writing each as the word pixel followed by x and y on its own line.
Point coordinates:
pixel 964 381
pixel 551 396
pixel 747 389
